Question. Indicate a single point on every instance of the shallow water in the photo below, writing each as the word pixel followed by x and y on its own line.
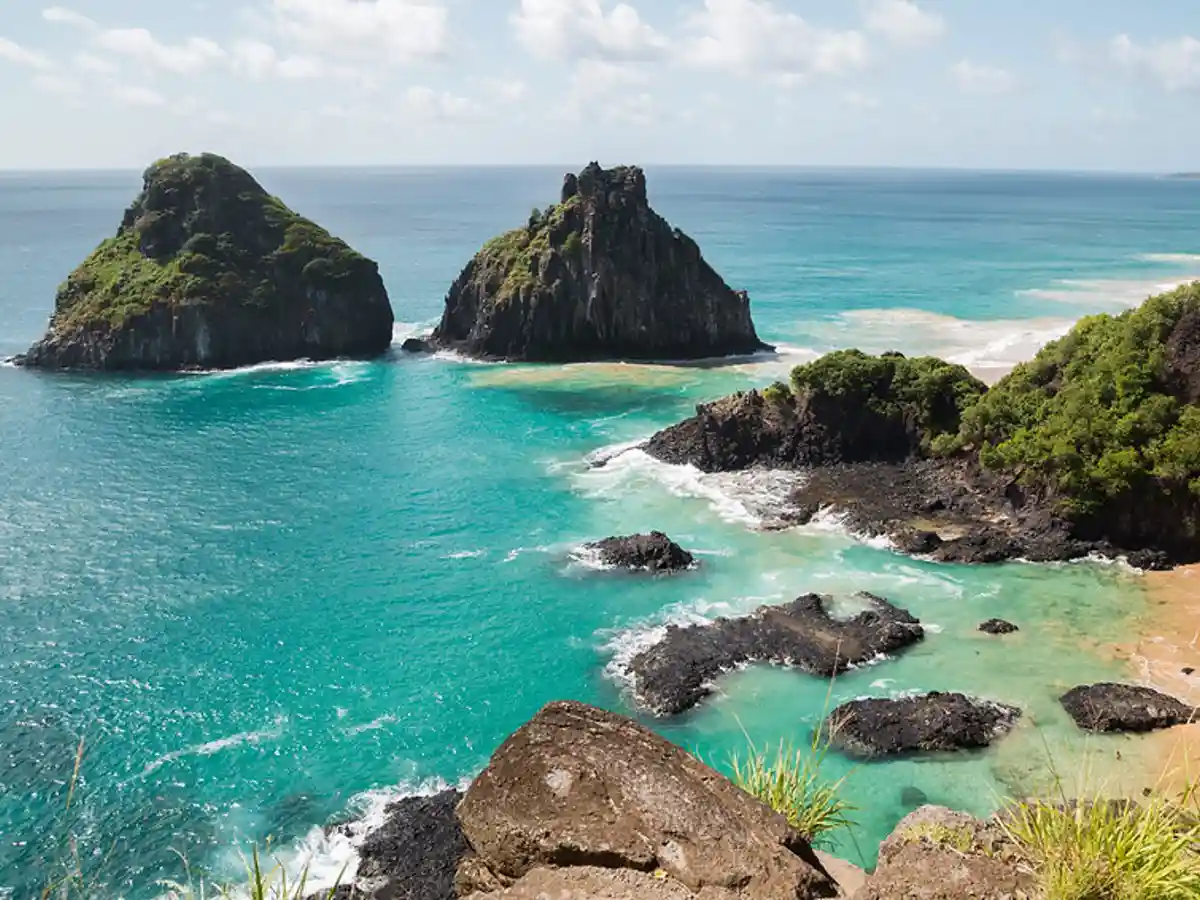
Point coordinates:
pixel 255 596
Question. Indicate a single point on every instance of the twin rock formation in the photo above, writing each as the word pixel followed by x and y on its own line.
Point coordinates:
pixel 209 271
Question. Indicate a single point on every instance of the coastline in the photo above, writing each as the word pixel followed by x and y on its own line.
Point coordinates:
pixel 1167 643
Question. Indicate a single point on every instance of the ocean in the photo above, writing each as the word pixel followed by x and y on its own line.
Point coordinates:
pixel 268 599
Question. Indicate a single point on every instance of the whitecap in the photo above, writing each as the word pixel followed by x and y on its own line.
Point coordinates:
pixel 1170 258
pixel 465 554
pixel 225 743
pixel 373 725
pixel 754 498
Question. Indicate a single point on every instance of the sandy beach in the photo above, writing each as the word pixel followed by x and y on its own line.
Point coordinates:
pixel 1167 645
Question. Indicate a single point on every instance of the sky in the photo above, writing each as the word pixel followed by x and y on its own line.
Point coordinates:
pixel 1008 84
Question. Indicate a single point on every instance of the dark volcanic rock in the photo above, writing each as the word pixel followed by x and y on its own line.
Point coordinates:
pixel 676 673
pixel 998 626
pixel 930 723
pixel 414 855
pixel 653 552
pixel 577 790
pixel 846 407
pixel 208 270
pixel 417 345
pixel 598 276
pixel 1124 707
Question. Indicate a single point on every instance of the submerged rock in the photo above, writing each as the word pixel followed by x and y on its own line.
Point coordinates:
pixel 677 672
pixel 210 271
pixel 1125 707
pixel 998 626
pixel 417 345
pixel 935 722
pixel 599 275
pixel 653 552
pixel 584 803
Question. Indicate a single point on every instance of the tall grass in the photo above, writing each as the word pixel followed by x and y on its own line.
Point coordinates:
pixel 1110 850
pixel 1102 848
pixel 791 783
pixel 261 884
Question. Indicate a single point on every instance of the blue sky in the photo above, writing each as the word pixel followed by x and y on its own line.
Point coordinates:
pixel 1060 84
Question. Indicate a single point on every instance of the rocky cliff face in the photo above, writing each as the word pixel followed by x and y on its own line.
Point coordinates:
pixel 599 275
pixel 208 270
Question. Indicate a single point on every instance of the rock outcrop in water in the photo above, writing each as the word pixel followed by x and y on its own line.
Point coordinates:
pixel 921 452
pixel 653 552
pixel 209 271
pixel 932 723
pixel 998 627
pixel 677 673
pixel 1125 708
pixel 599 275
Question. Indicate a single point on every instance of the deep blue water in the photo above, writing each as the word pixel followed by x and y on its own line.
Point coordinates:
pixel 257 597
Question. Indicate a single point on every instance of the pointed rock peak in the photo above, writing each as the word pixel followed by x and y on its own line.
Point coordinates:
pixel 596 183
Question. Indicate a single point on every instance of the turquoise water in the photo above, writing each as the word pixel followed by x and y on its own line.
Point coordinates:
pixel 264 598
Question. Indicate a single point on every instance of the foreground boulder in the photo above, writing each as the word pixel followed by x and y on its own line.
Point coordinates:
pixel 935 722
pixel 576 791
pixel 653 552
pixel 210 271
pixel 937 854
pixel 677 672
pixel 1125 708
pixel 599 275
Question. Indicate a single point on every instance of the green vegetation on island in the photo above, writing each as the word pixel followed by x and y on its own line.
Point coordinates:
pixel 203 231
pixel 1106 410
pixel 928 392
pixel 209 270
pixel 513 260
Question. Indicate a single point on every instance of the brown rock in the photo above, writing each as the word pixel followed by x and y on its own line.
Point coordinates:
pixel 580 787
pixel 592 883
pixel 937 854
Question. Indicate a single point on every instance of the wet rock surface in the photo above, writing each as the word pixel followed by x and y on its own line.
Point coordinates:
pixel 1125 708
pixel 676 673
pixel 998 626
pixel 935 722
pixel 653 552
pixel 577 788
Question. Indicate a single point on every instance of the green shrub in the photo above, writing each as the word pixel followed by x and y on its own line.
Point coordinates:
pixel 1092 416
pixel 777 394
pixel 573 245
pixel 929 392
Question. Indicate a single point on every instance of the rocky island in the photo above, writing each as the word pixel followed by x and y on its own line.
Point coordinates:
pixel 597 276
pixel 1092 446
pixel 209 271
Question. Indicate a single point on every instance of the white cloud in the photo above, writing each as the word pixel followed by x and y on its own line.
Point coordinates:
pixel 903 22
pixel 192 56
pixel 259 60
pixel 570 29
pixel 67 17
pixel 22 56
pixel 859 100
pixel 133 95
pixel 977 78
pixel 432 104
pixel 50 83
pixel 749 35
pixel 506 90
pixel 1174 64
pixel 396 30
pixel 94 65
